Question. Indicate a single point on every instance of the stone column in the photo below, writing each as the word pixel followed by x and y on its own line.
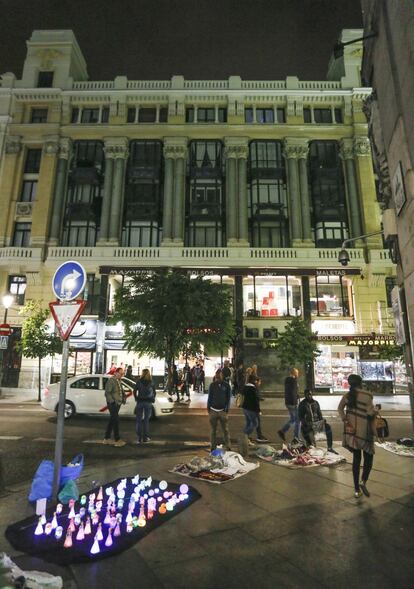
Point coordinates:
pixel 9 183
pixel 43 205
pixel 354 213
pixel 303 151
pixel 107 194
pixel 65 151
pixel 231 203
pixel 243 223
pixel 179 197
pixel 370 210
pixel 291 155
pixel 101 323
pixel 119 151
pixel 167 212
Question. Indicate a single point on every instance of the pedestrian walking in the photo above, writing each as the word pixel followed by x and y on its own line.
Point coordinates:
pixel 144 394
pixel 357 412
pixel 176 382
pixel 261 438
pixel 251 409
pixel 291 403
pixel 185 389
pixel 218 404
pixel 311 419
pixel 114 399
pixel 202 387
pixel 128 373
pixel 238 378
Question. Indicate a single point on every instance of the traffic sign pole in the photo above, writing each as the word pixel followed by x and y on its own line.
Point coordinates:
pixel 60 419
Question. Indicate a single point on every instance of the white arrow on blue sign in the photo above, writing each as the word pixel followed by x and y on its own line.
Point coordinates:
pixel 69 281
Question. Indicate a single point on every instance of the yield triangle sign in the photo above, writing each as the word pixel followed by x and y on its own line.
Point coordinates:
pixel 66 316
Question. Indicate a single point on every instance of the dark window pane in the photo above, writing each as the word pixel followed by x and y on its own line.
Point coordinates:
pixel 75 115
pixel 281 115
pixel 206 115
pixel 338 115
pixel 189 115
pixel 38 115
pixel 265 115
pixel 307 115
pixel 17 287
pixel 147 115
pixel 21 236
pixel 90 115
pixel 322 115
pixel 390 282
pixel 248 115
pixel 32 163
pixel 222 115
pixel 163 115
pixel 105 114
pixel 131 115
pixel 45 80
pixel 29 188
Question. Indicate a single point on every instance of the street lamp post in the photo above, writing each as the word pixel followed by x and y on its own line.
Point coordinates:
pixel 7 301
pixel 343 256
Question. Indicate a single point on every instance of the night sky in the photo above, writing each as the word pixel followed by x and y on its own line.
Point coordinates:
pixel 199 39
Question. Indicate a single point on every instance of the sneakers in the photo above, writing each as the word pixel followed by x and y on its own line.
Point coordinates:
pixel 332 451
pixel 250 442
pixel 358 494
pixel 146 440
pixel 261 440
pixel 108 442
pixel 119 443
pixel 364 489
pixel 282 435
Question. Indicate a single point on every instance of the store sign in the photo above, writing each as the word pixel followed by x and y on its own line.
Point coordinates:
pixel 371 340
pixel 398 189
pixel 329 272
pixel 398 316
pixel 340 328
pixel 332 339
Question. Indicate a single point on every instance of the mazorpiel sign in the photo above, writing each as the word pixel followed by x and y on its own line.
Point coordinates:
pixel 370 340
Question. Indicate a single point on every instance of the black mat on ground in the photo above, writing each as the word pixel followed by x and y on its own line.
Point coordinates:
pixel 173 499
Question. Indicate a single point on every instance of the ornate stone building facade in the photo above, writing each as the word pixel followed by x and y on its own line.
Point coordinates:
pixel 254 183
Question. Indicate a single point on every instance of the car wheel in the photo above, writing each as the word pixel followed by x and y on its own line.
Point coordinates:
pixel 70 409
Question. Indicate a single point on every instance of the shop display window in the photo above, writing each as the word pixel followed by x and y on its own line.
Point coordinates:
pixel 376 370
pixel 332 368
pixel 330 296
pixel 271 296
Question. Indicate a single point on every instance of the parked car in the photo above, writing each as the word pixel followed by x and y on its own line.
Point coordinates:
pixel 85 393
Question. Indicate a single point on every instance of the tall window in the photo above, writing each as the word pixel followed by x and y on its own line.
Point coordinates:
pixel 45 80
pixel 91 295
pixel 17 287
pixel 38 115
pixel 21 235
pixel 268 221
pixel 330 296
pixel 30 175
pixel 272 296
pixel 205 210
pixel 84 196
pixel 330 222
pixel 143 195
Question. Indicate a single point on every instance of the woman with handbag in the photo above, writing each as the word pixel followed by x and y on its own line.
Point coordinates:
pixel 357 412
pixel 144 394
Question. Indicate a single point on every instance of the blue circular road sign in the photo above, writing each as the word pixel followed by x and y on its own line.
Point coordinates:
pixel 69 281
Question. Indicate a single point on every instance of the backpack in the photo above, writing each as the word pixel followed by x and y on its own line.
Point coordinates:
pixel 145 392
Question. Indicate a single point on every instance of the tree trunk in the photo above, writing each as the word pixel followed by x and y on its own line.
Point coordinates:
pixel 39 394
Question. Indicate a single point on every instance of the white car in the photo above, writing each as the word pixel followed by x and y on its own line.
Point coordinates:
pixel 85 393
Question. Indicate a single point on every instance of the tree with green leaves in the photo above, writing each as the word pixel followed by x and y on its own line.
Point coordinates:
pixel 37 341
pixel 167 313
pixel 297 346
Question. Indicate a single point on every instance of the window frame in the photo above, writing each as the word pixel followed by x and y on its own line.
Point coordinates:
pixel 48 76
pixel 19 292
pixel 38 113
pixel 21 234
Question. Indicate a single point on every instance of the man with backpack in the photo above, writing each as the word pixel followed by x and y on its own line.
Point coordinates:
pixel 144 394
pixel 218 405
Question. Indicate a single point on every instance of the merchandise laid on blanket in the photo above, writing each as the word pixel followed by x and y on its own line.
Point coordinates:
pixel 218 467
pixel 105 521
pixel 297 455
pixel 402 447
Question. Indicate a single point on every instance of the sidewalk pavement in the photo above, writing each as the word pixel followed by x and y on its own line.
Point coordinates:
pixel 274 527
pixel 199 400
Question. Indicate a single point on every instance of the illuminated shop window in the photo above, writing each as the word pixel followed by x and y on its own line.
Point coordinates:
pixel 272 296
pixel 330 296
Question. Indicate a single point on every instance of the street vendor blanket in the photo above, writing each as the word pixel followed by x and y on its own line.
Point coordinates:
pixel 396 448
pixel 299 456
pixel 216 469
pixel 104 521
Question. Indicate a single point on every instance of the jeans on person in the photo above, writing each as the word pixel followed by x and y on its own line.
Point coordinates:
pixel 216 417
pixel 356 464
pixel 144 410
pixel 293 420
pixel 113 423
pixel 259 427
pixel 251 421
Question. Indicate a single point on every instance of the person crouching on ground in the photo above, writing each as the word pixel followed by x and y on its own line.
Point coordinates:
pixel 251 408
pixel 144 394
pixel 357 411
pixel 114 399
pixel 310 416
pixel 218 404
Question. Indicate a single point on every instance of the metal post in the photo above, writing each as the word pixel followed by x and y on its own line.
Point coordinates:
pixel 60 419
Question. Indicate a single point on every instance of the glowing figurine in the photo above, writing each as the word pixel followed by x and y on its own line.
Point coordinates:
pixel 72 509
pixel 54 521
pixel 39 528
pixel 81 533
pixel 99 534
pixel 88 528
pixel 183 488
pixel 108 541
pixel 100 494
pixel 83 500
pixel 129 527
pixel 59 508
pixel 43 519
pixel 162 509
pixel 71 526
pixel 95 547
pixel 48 529
pixel 95 518
pixel 58 532
pixel 107 519
pixel 163 485
pixel 117 530
pixel 68 540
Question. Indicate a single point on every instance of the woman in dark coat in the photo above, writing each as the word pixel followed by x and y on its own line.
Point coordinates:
pixel 357 412
pixel 250 406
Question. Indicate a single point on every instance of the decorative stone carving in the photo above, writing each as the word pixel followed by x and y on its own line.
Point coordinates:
pixel 24 209
pixel 51 146
pixel 362 146
pixel 116 148
pixel 47 56
pixel 175 151
pixel 347 149
pixel 302 151
pixel 65 148
pixel 13 144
